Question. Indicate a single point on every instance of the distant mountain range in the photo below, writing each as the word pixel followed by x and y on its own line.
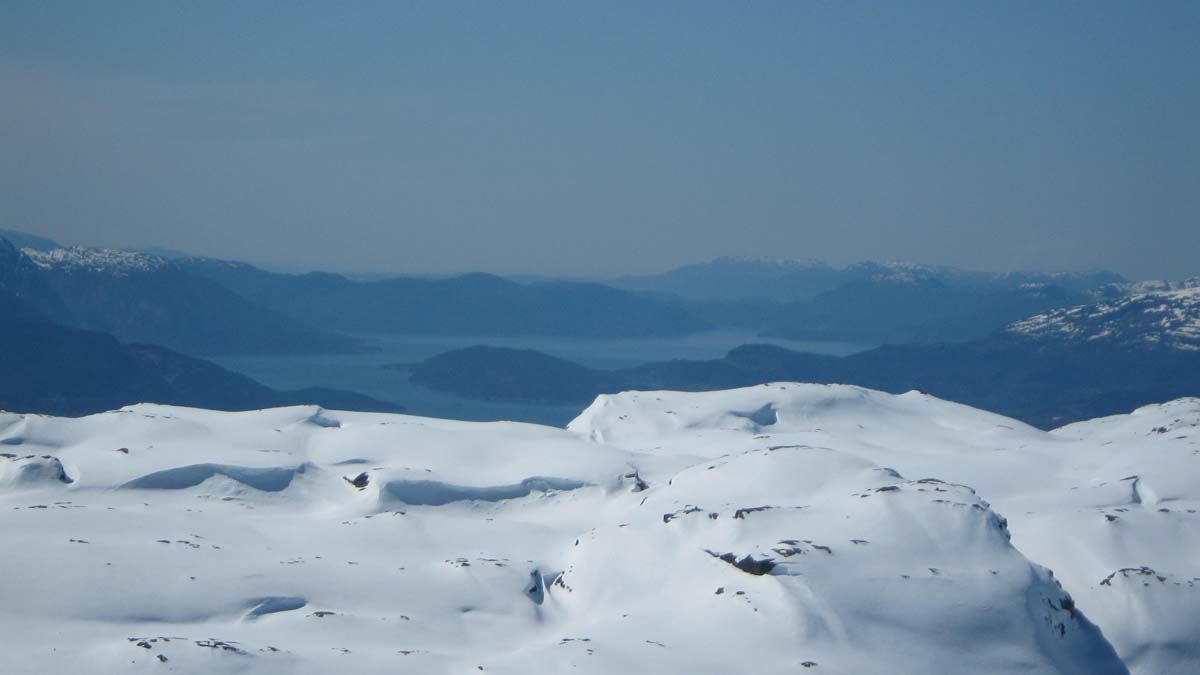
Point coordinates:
pixel 925 309
pixel 729 278
pixel 471 304
pixel 1049 369
pixel 209 306
pixel 143 298
pixel 791 281
pixel 868 302
pixel 1048 348
pixel 49 368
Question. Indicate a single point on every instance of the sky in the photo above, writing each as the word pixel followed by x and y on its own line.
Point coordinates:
pixel 608 138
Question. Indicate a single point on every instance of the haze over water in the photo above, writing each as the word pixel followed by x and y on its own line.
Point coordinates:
pixel 374 373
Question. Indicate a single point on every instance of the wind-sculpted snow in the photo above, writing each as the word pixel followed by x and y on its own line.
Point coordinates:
pixel 264 606
pixel 782 528
pixel 269 479
pixel 437 493
pixel 31 471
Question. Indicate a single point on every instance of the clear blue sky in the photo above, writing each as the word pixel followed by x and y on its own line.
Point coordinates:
pixel 608 137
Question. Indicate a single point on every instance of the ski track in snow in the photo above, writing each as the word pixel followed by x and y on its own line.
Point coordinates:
pixel 779 528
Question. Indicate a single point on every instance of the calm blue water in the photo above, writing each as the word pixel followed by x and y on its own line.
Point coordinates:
pixel 367 374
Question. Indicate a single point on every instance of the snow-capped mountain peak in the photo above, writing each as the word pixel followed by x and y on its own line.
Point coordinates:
pixel 1166 315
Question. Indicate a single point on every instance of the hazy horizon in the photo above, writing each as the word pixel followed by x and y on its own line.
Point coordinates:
pixel 519 275
pixel 598 141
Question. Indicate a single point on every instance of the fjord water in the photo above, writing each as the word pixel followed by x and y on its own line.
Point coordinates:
pixel 381 372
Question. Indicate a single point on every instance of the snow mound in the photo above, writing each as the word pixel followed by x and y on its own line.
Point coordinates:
pixel 269 479
pixel 32 471
pixel 818 557
pixel 1084 500
pixel 778 528
pixel 632 417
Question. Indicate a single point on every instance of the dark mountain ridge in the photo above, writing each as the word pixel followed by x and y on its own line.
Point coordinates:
pixel 470 304
pixel 52 369
pixel 921 309
pixel 793 281
pixel 208 306
pixel 143 298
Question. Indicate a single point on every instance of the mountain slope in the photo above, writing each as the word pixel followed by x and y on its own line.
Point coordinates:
pixel 25 281
pixel 23 240
pixel 64 371
pixel 483 370
pixel 143 298
pixel 1167 318
pixel 1109 504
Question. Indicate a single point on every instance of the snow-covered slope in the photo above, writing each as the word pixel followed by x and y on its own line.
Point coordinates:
pixel 1109 505
pixel 1165 315
pixel 147 299
pixel 102 260
pixel 781 528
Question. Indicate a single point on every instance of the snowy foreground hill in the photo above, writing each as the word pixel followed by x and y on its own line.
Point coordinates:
pixel 775 529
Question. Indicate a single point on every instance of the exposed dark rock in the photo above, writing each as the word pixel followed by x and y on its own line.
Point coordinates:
pixel 1133 571
pixel 747 563
pixel 763 417
pixel 668 517
pixel 219 644
pixel 536 588
pixel 740 514
pixel 639 485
